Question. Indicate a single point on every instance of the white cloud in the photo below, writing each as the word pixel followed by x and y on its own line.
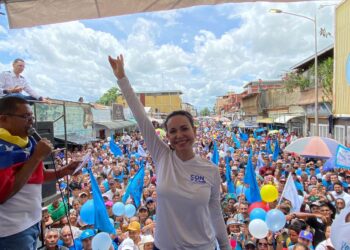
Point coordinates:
pixel 70 60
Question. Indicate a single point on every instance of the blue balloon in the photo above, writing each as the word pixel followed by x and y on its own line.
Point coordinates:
pixel 130 210
pixel 87 212
pixel 275 220
pixel 101 241
pixel 258 138
pixel 231 149
pixel 257 213
pixel 118 209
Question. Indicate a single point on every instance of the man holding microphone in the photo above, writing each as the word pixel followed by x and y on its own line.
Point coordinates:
pixel 21 175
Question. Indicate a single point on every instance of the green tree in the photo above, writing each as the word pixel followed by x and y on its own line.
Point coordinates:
pixel 109 97
pixel 205 112
pixel 296 79
pixel 325 73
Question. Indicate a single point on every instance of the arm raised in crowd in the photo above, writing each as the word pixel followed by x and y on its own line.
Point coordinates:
pixel 154 144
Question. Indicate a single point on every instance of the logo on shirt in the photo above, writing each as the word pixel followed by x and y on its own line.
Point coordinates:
pixel 197 179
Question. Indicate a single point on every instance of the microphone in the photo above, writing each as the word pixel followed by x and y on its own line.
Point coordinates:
pixel 32 132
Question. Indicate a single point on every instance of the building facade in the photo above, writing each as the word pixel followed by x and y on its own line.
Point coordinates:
pixel 341 84
pixel 160 101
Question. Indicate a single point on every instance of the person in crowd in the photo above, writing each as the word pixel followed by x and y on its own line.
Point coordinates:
pixel 68 241
pixel 86 238
pixel 51 239
pixel 147 242
pixel 21 179
pixel 339 192
pixel 13 83
pixel 188 186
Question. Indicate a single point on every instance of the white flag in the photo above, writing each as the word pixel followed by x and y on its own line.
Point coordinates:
pixel 340 230
pixel 342 158
pixel 141 151
pixel 290 193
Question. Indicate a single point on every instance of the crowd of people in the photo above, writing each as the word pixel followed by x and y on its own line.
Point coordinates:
pixel 324 192
pixel 204 185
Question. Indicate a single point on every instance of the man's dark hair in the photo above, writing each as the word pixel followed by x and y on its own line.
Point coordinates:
pixel 8 104
pixel 338 183
pixel 295 226
pixel 18 60
pixel 179 112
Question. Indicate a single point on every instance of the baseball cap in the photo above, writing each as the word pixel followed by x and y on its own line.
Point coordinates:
pixel 149 200
pixel 134 226
pixel 250 242
pixel 87 234
pixel 147 239
pixel 109 204
pixel 305 235
pixel 83 193
pixel 233 221
pixel 316 203
pixel 143 208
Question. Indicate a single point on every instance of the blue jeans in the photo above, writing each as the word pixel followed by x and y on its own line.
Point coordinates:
pixel 25 240
pixel 26 97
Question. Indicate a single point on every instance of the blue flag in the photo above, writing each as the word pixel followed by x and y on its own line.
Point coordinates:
pixel 115 148
pixel 135 187
pixel 276 151
pixel 215 157
pixel 236 141
pixel 250 179
pixel 102 222
pixel 230 184
pixel 268 147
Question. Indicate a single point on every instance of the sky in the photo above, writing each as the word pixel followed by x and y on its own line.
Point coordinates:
pixel 203 51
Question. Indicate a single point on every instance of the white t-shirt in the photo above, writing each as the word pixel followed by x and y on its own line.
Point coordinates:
pixel 21 211
pixel 343 195
pixel 189 213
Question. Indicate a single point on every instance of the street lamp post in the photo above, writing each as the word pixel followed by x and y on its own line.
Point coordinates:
pixel 314 21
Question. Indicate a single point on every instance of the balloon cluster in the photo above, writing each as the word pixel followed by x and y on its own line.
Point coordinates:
pixel 119 209
pixel 262 219
pixel 87 211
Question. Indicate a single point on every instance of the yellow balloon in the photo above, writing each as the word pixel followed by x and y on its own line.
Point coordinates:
pixel 269 193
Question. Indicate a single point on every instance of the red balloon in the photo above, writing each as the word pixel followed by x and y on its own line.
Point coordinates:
pixel 259 204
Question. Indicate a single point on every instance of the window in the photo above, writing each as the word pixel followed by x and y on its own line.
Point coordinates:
pixel 312 129
pixel 339 133
pixel 348 135
pixel 323 129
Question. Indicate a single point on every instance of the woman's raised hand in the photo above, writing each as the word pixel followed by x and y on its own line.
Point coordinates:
pixel 117 66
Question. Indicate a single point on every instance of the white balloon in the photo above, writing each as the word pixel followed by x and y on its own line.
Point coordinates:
pixel 101 241
pixel 258 228
pixel 108 138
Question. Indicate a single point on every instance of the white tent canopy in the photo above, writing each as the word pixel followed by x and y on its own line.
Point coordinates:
pixel 28 13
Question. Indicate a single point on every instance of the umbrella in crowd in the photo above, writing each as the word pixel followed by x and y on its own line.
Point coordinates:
pixel 314 146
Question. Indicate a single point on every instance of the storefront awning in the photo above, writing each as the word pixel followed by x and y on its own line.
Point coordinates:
pixel 265 120
pixel 287 117
pixel 28 13
pixel 116 124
